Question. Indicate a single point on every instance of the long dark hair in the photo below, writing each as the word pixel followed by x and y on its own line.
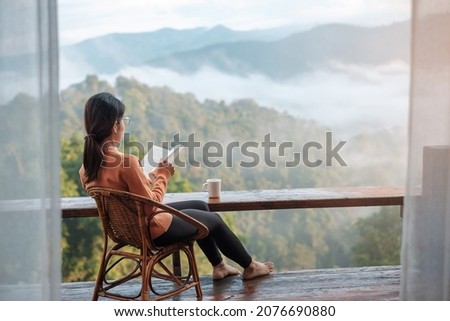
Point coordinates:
pixel 100 114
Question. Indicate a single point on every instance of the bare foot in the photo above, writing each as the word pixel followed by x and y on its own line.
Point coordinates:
pixel 222 270
pixel 257 269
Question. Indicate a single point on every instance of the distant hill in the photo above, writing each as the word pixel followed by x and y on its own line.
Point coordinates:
pixel 298 53
pixel 277 53
pixel 109 53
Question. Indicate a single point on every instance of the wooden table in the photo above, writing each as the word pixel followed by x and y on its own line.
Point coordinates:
pixel 266 199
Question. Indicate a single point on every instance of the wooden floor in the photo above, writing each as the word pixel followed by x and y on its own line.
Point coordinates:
pixel 342 284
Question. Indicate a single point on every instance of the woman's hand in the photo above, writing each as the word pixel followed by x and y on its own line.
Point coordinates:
pixel 152 176
pixel 166 165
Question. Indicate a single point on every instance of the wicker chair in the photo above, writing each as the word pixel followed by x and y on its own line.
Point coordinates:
pixel 133 254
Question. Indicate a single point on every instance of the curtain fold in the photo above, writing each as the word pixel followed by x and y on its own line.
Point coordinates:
pixel 426 226
pixel 30 216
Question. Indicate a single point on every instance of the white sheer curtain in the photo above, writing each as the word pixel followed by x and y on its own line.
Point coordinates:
pixel 426 229
pixel 30 234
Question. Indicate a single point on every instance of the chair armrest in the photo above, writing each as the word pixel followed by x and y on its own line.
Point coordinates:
pixel 202 230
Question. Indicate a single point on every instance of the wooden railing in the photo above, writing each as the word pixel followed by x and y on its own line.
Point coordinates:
pixel 266 199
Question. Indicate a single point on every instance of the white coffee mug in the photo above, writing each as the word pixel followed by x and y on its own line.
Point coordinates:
pixel 213 186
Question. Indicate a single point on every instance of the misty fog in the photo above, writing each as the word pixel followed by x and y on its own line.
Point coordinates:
pixel 349 99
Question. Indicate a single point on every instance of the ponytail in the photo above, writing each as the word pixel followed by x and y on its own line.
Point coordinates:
pixel 92 157
pixel 100 114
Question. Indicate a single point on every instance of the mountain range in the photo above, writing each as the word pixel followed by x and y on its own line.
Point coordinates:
pixel 109 53
pixel 279 53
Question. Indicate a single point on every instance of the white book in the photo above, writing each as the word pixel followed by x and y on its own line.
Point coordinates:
pixel 157 154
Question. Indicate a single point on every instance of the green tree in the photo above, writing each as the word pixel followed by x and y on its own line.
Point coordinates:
pixel 71 159
pixel 379 239
pixel 81 237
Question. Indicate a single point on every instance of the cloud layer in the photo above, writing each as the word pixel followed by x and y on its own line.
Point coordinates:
pixel 348 98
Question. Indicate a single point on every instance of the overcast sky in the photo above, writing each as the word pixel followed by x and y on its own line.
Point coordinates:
pixel 82 19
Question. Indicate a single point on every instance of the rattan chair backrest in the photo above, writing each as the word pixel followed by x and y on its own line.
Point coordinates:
pixel 119 214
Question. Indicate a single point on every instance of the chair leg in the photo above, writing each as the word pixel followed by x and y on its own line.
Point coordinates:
pixel 101 271
pixel 181 283
pixel 145 278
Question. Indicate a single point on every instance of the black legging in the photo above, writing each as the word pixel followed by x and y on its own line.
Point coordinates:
pixel 220 236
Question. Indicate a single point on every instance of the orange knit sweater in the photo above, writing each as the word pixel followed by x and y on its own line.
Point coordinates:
pixel 124 172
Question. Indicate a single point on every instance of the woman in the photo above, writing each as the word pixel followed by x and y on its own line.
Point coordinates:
pixel 104 166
